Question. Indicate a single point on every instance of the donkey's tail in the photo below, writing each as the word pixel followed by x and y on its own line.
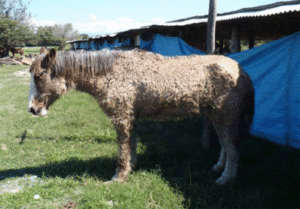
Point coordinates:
pixel 248 113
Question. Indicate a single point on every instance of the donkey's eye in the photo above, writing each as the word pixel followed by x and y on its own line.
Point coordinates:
pixel 41 99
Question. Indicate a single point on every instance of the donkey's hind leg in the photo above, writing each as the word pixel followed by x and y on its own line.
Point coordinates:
pixel 206 139
pixel 219 167
pixel 227 137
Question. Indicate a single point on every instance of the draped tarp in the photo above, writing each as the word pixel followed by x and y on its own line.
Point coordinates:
pixel 116 43
pixel 275 71
pixel 93 45
pixel 169 46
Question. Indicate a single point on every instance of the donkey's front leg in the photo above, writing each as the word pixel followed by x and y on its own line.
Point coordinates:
pixel 127 149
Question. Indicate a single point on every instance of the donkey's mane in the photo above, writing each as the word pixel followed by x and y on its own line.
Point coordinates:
pixel 82 63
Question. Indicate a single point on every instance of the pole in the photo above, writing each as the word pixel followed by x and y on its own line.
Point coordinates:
pixel 211 26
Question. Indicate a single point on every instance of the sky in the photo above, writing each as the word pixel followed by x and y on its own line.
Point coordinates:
pixel 99 17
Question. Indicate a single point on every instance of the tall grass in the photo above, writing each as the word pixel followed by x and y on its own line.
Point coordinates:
pixel 73 152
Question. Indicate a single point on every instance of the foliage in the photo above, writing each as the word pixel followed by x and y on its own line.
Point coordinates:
pixel 63 33
pixel 84 36
pixel 56 35
pixel 45 36
pixel 17 30
pixel 12 33
pixel 15 10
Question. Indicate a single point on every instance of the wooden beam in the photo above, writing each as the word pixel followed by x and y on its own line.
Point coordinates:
pixel 235 43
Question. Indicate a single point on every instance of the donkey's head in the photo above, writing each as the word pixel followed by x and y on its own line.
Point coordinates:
pixel 45 86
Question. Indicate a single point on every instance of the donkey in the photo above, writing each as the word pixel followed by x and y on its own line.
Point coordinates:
pixel 138 85
pixel 44 50
pixel 17 51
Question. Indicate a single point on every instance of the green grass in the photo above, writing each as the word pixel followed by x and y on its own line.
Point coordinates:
pixel 74 150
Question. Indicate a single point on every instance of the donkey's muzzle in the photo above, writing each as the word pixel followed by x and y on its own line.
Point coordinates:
pixel 32 110
pixel 38 111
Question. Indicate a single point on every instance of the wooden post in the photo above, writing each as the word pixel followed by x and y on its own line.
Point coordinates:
pixel 235 43
pixel 221 49
pixel 251 41
pixel 137 40
pixel 211 26
pixel 180 34
pixel 89 45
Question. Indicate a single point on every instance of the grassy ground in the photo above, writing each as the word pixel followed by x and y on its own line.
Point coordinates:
pixel 67 156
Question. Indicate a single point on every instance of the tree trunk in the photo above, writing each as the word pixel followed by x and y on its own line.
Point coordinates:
pixel 211 26
pixel 4 52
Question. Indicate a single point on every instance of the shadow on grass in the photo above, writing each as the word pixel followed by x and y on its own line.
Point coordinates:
pixel 102 168
pixel 269 174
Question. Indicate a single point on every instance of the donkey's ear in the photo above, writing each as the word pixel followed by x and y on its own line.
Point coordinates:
pixel 49 60
pixel 35 67
pixel 52 56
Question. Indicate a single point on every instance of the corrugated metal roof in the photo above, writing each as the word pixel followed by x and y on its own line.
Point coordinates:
pixel 265 10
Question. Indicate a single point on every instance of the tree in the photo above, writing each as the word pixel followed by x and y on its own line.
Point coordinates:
pixel 64 33
pixel 14 25
pixel 15 10
pixel 211 26
pixel 45 36
pixel 84 36
pixel 55 35
pixel 12 33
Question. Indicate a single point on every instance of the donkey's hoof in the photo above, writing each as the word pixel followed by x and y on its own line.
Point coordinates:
pixel 223 182
pixel 108 182
pixel 217 170
pixel 220 182
pixel 115 178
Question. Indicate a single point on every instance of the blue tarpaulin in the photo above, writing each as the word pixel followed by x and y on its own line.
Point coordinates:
pixel 275 71
pixel 107 45
pixel 169 46
pixel 96 46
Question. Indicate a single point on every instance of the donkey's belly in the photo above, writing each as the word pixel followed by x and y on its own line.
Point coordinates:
pixel 165 111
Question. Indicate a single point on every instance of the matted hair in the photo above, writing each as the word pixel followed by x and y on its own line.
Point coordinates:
pixel 82 63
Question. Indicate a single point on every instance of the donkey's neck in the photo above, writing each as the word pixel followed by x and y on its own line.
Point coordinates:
pixel 96 87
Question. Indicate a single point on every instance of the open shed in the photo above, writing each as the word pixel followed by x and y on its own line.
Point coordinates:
pixel 266 22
